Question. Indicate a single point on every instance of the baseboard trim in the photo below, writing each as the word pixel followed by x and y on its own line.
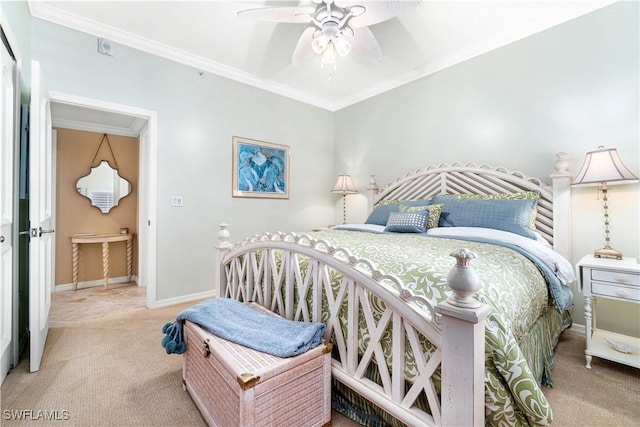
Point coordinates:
pixel 577 329
pixel 95 283
pixel 124 279
pixel 182 299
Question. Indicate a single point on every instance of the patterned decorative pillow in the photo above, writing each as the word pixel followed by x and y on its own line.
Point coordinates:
pixel 433 210
pixel 501 214
pixel 500 196
pixel 407 222
pixel 389 202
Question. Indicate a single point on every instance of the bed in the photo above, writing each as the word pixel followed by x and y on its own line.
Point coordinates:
pixel 382 290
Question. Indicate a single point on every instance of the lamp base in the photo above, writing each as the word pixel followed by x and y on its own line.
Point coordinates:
pixel 607 252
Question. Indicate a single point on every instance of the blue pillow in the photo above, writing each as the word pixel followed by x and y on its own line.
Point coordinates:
pixel 407 222
pixel 380 214
pixel 500 214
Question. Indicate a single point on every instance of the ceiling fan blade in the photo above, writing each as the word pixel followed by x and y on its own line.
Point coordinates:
pixel 291 15
pixel 376 11
pixel 303 51
pixel 364 45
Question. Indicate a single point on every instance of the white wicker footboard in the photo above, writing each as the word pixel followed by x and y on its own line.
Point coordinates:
pixel 298 271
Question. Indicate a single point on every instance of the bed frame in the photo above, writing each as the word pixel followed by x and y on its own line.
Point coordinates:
pixel 455 329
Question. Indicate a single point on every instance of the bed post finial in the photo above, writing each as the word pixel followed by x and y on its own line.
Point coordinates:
pixel 373 185
pixel 220 278
pixel 561 164
pixel 463 335
pixel 223 236
pixel 463 280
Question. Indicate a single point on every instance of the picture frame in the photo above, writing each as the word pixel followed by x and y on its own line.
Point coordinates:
pixel 260 169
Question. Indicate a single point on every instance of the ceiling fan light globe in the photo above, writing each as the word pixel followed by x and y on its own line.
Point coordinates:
pixel 329 55
pixel 343 47
pixel 319 44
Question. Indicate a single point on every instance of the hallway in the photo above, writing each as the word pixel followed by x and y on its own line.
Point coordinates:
pixel 95 303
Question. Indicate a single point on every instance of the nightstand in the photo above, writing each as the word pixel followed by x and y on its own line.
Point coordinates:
pixel 612 279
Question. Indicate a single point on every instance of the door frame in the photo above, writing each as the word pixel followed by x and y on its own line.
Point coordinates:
pixel 8 356
pixel 13 44
pixel 147 183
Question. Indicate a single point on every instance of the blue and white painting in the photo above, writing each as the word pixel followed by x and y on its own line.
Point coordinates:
pixel 260 169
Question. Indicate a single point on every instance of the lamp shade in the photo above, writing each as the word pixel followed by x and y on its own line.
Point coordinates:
pixel 344 185
pixel 604 166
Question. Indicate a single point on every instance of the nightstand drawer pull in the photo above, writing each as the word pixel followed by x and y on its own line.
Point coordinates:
pixel 621 279
pixel 622 293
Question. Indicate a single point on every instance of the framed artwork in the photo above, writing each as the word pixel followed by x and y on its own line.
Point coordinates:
pixel 260 169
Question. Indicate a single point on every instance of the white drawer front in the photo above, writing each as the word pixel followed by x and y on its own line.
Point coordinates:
pixel 623 292
pixel 628 279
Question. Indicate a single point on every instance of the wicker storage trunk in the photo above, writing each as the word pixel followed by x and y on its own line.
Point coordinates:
pixel 233 385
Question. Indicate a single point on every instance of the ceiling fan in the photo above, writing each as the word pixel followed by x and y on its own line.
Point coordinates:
pixel 337 26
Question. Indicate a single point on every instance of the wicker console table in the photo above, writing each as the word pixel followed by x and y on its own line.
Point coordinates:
pixel 105 239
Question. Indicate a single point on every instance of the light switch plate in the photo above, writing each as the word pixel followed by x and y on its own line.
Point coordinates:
pixel 176 201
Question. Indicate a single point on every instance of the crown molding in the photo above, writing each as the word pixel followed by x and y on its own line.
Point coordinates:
pixel 43 10
pixel 570 11
pixel 46 12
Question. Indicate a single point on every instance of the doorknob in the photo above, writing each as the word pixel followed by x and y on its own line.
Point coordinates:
pixel 39 232
pixel 1 239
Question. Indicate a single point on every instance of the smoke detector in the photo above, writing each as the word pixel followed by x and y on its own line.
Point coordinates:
pixel 105 47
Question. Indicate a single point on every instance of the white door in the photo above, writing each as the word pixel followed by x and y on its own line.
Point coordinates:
pixel 7 121
pixel 41 215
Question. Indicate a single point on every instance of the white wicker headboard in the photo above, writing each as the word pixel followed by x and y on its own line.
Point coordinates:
pixel 471 178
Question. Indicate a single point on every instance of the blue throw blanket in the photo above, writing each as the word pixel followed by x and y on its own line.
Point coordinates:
pixel 236 322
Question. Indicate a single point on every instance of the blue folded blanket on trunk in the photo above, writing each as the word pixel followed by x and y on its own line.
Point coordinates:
pixel 236 322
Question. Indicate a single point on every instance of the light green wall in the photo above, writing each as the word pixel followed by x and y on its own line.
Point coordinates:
pixel 198 116
pixel 571 88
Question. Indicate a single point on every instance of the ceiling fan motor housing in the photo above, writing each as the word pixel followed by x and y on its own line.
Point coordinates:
pixel 332 19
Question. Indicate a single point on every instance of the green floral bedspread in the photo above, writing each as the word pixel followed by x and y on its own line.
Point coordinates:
pixel 511 284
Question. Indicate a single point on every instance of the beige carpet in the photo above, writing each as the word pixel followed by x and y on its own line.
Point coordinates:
pixel 606 395
pixel 107 368
pixel 105 373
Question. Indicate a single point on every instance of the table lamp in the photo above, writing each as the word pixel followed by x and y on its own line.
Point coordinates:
pixel 603 167
pixel 344 185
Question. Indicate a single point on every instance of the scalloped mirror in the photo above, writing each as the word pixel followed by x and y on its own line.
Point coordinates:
pixel 104 187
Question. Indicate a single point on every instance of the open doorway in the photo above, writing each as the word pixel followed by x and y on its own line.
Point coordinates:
pixel 83 114
pixel 96 201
